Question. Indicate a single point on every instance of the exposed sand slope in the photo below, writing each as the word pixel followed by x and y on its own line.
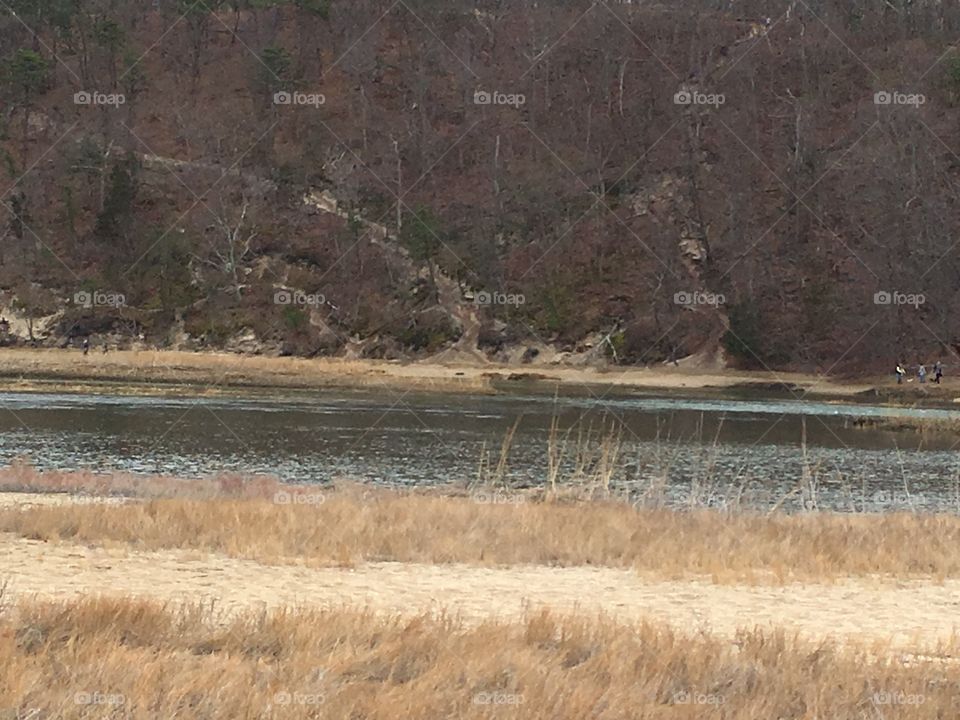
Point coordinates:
pixel 907 614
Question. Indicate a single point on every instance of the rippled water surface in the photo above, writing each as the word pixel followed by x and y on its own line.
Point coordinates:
pixel 709 450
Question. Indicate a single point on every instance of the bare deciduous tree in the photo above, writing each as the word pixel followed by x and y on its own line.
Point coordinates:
pixel 230 238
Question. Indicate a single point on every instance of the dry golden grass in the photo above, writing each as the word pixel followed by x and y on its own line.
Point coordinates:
pixel 101 657
pixel 21 477
pixel 269 522
pixel 158 368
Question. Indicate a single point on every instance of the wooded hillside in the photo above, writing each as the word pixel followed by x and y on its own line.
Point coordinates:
pixel 779 180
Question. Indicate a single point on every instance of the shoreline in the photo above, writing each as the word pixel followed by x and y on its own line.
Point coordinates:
pixel 168 372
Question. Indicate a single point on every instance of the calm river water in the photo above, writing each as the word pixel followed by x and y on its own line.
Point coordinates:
pixel 679 450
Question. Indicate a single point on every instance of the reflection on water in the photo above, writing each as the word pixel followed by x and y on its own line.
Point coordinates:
pixel 713 451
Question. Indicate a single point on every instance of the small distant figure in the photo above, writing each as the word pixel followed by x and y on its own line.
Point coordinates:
pixel 922 373
pixel 900 373
pixel 938 372
pixel 104 348
pixel 86 345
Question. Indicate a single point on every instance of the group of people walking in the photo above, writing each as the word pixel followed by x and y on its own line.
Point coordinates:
pixel 921 372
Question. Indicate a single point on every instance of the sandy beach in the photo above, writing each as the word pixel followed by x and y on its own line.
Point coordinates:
pixel 175 371
pixel 899 614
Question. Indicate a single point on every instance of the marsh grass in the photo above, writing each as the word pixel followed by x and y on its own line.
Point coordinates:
pixel 109 657
pixel 921 425
pixel 589 459
pixel 351 524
